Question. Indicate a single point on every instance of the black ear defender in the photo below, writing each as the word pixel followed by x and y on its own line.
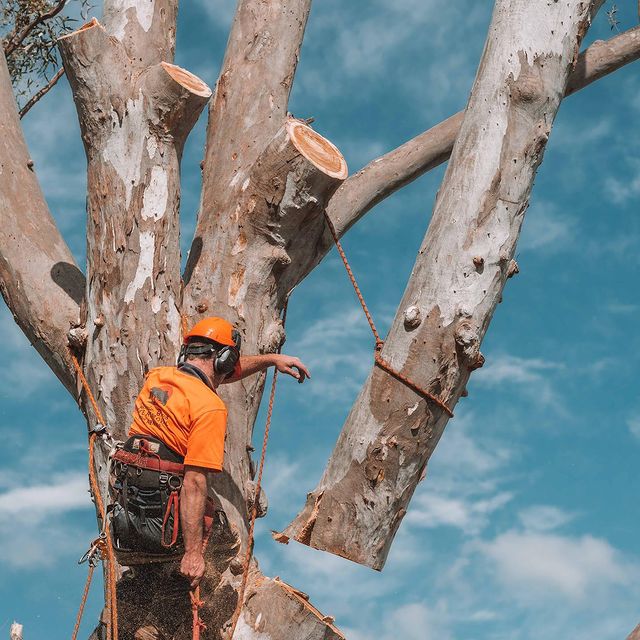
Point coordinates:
pixel 227 357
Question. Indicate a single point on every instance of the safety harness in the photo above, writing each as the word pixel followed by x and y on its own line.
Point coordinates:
pixel 145 483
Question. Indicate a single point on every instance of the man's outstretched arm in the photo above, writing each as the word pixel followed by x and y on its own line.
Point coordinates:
pixel 193 497
pixel 285 364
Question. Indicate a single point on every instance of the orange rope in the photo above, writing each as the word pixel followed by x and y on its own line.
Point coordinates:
pixel 256 496
pixel 83 602
pixel 111 603
pixel 379 360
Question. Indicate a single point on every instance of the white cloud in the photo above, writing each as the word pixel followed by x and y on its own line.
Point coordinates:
pixel 546 227
pixel 334 348
pixel 431 510
pixel 544 518
pixel 532 375
pixel 23 372
pixel 35 530
pixel 37 502
pixel 622 190
pixel 541 565
pixel 462 489
pixel 633 422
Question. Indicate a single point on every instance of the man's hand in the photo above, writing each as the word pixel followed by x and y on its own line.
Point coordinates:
pixel 192 567
pixel 289 364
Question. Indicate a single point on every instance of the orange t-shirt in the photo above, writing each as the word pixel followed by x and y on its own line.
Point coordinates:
pixel 184 413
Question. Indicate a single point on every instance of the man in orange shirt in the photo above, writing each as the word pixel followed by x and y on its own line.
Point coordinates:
pixel 176 439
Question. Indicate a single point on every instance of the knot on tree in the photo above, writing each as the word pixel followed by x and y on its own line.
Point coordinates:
pixel 468 344
pixel 412 317
pixel 263 503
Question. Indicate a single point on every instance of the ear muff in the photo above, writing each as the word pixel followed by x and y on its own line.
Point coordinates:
pixel 227 358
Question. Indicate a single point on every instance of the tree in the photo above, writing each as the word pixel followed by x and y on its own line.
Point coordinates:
pixel 267 181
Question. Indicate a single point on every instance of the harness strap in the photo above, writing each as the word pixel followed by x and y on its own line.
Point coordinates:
pixel 143 461
pixel 173 505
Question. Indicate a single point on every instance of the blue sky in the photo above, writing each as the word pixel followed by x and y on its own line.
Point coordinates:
pixel 526 526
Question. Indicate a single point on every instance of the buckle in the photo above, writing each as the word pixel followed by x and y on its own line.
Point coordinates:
pixel 163 477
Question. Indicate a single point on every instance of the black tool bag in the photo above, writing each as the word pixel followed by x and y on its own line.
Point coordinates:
pixel 145 498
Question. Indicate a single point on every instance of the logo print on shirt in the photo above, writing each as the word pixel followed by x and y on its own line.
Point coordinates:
pixel 162 395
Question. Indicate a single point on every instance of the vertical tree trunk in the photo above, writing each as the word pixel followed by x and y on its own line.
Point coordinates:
pixel 455 284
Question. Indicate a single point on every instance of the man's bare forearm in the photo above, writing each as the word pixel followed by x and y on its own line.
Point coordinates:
pixel 193 497
pixel 290 365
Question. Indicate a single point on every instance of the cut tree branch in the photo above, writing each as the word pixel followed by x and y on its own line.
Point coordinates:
pixel 385 175
pixel 41 93
pixel 248 108
pixel 39 279
pixel 455 285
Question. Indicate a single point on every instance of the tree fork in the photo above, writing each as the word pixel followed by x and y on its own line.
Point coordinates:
pixel 390 432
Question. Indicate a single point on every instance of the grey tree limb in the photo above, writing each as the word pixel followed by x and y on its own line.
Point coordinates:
pixel 39 278
pixel 455 285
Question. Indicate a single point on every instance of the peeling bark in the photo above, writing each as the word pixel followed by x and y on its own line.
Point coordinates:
pixel 39 278
pixel 290 615
pixel 134 121
pixel 386 441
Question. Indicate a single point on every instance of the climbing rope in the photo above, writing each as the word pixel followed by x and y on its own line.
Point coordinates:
pixel 103 545
pixel 377 354
pixel 256 495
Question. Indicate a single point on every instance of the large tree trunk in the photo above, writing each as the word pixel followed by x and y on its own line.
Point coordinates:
pixel 455 285
pixel 136 110
pixel 267 181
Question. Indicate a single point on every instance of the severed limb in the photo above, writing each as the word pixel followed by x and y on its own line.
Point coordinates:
pixel 455 284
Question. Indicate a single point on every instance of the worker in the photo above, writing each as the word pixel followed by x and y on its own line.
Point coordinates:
pixel 176 439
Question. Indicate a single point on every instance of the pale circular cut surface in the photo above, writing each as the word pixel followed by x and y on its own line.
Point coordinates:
pixel 187 79
pixel 318 150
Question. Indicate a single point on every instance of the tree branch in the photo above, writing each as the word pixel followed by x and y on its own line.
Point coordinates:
pixel 248 108
pixel 385 175
pixel 39 279
pixel 455 285
pixel 41 93
pixel 16 39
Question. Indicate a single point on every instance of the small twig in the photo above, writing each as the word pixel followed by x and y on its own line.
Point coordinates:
pixel 612 16
pixel 16 40
pixel 36 96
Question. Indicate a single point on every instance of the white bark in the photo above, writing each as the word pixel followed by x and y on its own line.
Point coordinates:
pixel 134 121
pixel 456 282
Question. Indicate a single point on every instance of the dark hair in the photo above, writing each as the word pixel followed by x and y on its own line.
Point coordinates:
pixel 202 350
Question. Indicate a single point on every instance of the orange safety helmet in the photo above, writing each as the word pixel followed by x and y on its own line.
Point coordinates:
pixel 214 329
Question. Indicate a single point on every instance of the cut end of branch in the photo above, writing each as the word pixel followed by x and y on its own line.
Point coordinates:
pixel 187 80
pixel 280 537
pixel 89 25
pixel 318 150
